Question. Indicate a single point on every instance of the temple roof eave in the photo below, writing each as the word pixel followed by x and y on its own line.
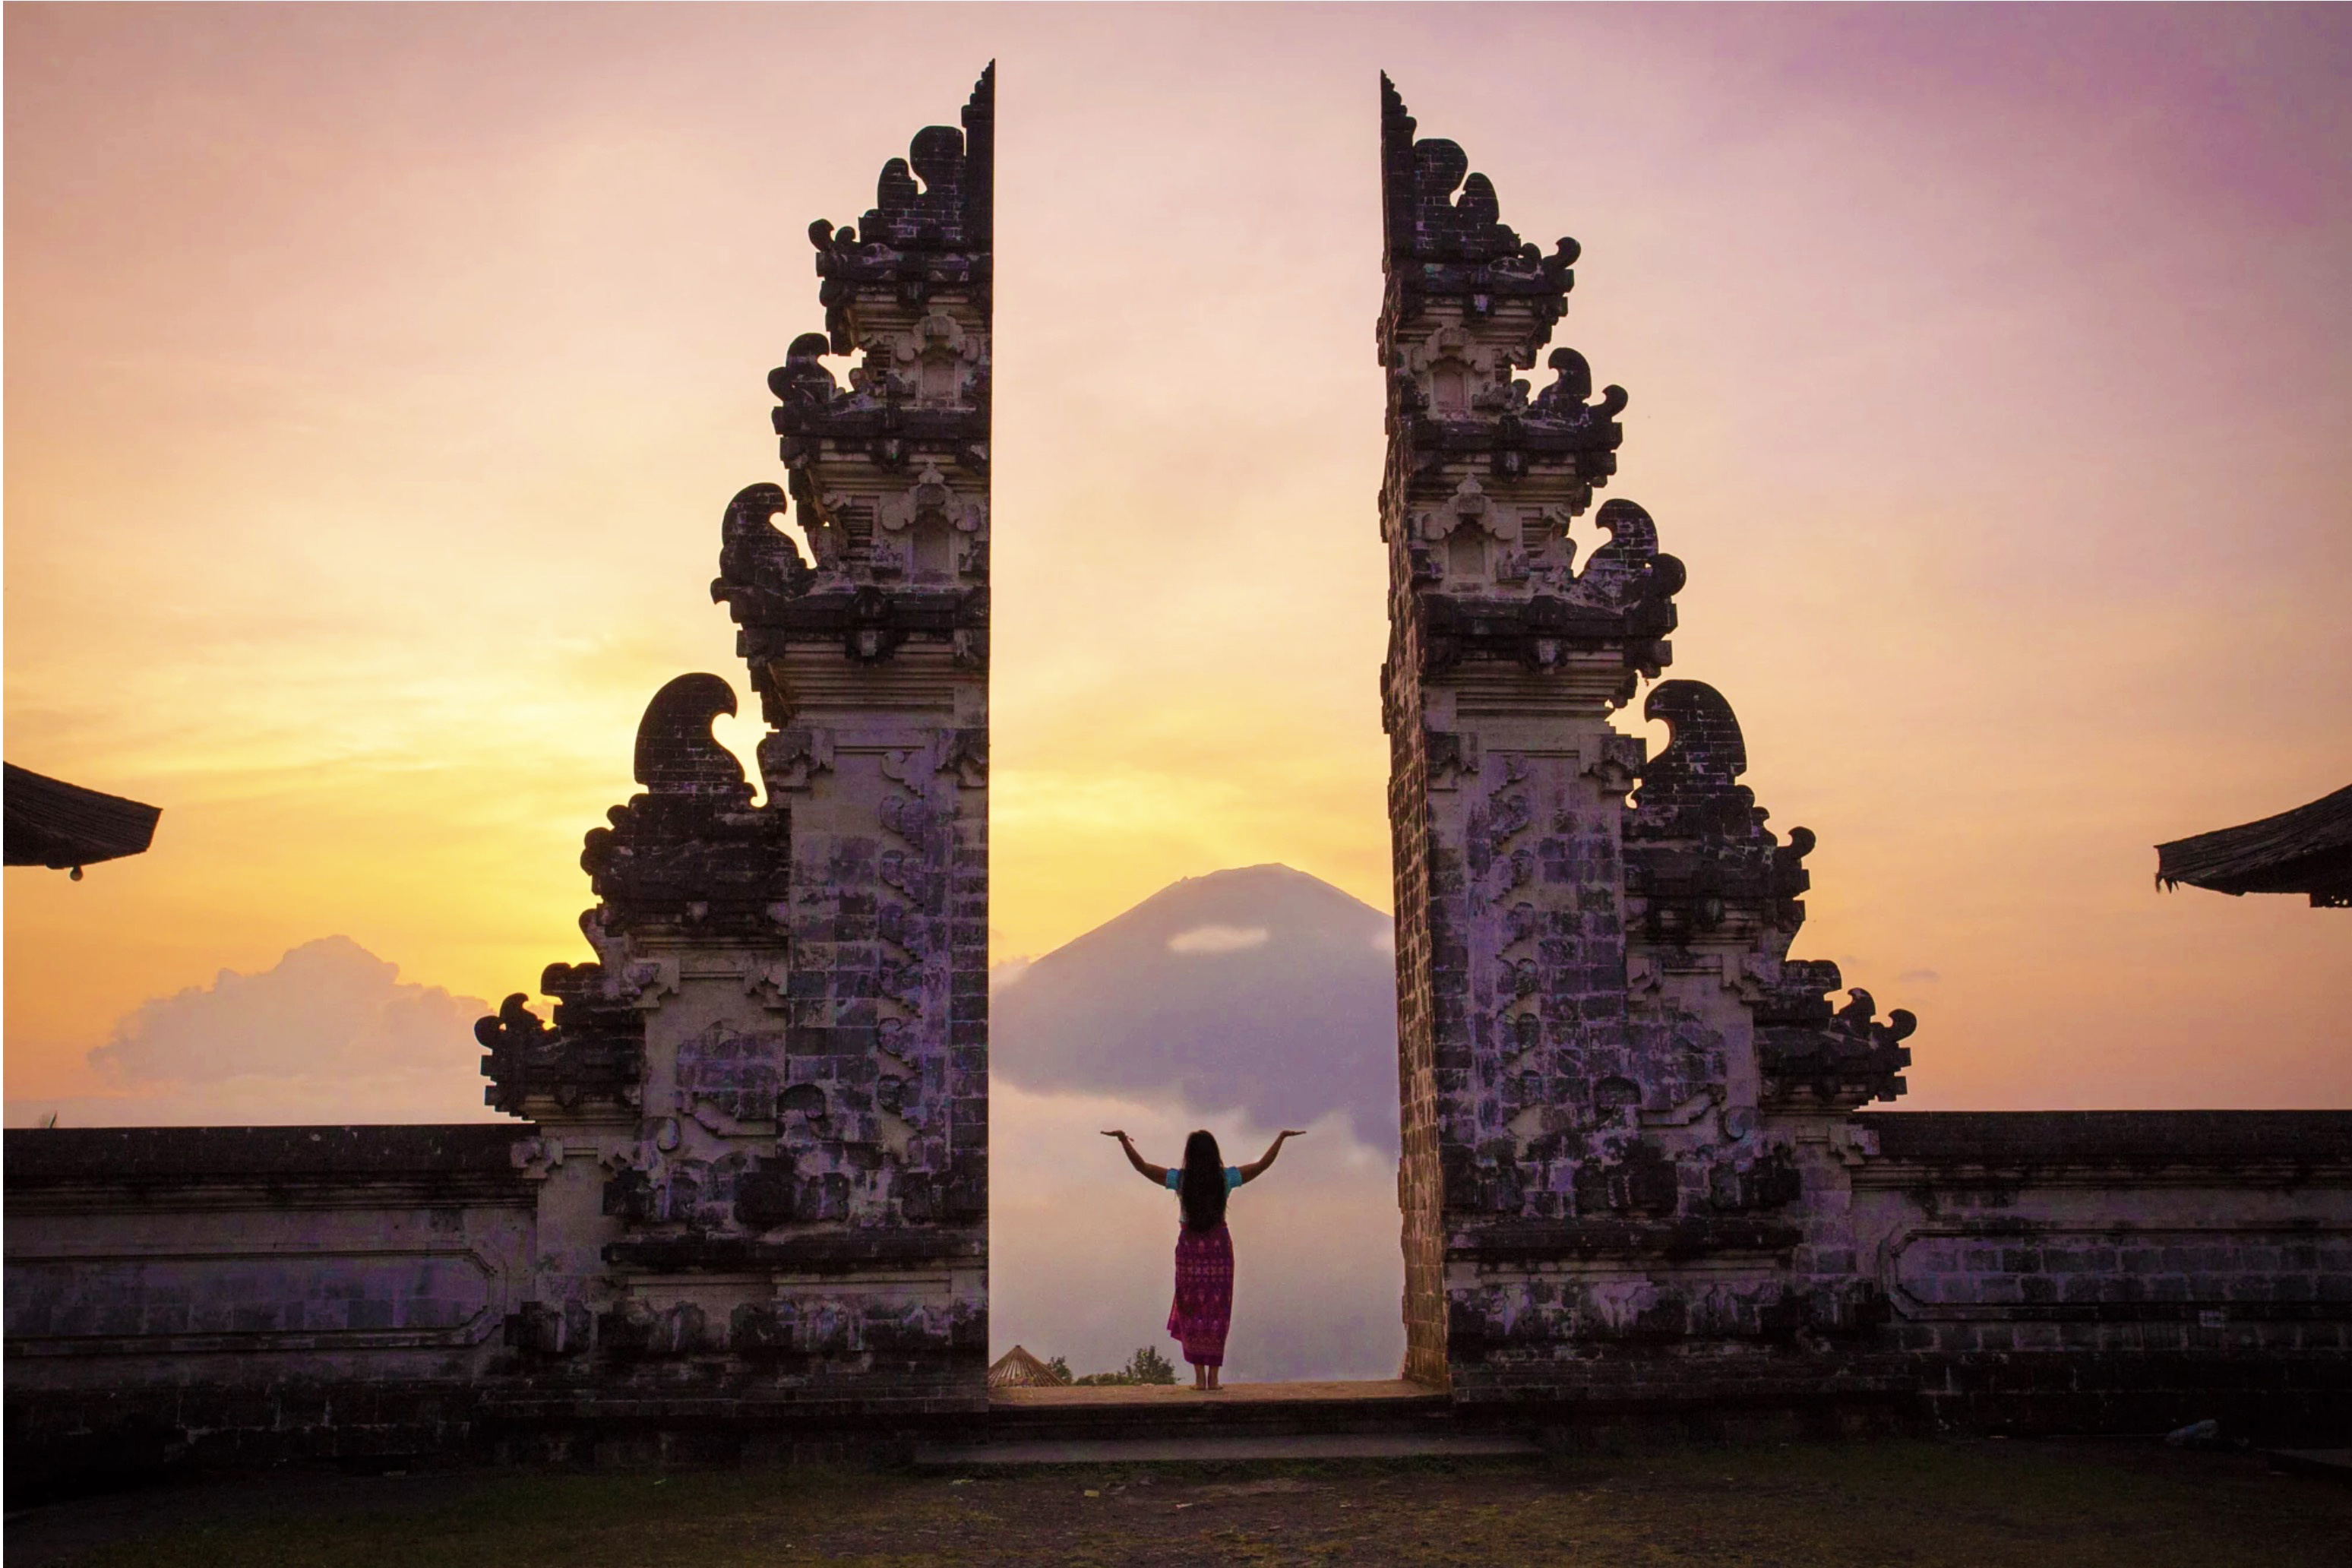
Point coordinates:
pixel 2306 850
pixel 61 825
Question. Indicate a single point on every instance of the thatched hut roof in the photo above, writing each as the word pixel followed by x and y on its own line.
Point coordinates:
pixel 1016 1368
pixel 2306 850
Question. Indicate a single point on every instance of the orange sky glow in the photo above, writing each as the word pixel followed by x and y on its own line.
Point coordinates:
pixel 375 377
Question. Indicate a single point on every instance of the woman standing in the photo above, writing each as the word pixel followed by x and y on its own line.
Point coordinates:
pixel 1204 1248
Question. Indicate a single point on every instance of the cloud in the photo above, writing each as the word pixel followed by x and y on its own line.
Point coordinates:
pixel 1217 939
pixel 1007 974
pixel 328 1034
pixel 1080 1249
pixel 328 1005
pixel 1918 977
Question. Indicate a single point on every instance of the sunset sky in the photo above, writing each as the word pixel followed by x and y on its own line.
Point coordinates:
pixel 375 378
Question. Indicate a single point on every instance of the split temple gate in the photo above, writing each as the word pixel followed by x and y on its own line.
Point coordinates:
pixel 745 1206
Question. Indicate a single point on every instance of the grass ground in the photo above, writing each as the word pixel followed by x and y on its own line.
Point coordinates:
pixel 1921 1504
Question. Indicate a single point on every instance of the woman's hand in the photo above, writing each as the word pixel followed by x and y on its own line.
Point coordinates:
pixel 1121 1136
pixel 1292 1132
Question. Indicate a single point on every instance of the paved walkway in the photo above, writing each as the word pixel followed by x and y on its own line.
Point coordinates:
pixel 1152 1395
pixel 1208 1450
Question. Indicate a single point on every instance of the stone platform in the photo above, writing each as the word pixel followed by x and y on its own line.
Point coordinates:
pixel 1180 1424
pixel 1392 1395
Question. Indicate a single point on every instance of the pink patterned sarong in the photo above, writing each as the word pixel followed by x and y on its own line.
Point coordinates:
pixel 1203 1307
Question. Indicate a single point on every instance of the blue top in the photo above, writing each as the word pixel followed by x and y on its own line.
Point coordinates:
pixel 1233 1177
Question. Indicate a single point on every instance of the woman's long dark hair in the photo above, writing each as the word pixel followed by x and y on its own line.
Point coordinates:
pixel 1202 1188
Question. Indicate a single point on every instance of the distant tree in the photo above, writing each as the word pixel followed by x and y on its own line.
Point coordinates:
pixel 1060 1367
pixel 1147 1365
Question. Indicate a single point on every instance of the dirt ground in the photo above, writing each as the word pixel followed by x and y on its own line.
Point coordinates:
pixel 2046 1505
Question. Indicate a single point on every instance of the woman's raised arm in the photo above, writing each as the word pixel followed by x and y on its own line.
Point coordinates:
pixel 1256 1168
pixel 1156 1174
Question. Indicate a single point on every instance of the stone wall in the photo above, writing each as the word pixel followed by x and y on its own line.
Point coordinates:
pixel 2115 1270
pixel 257 1292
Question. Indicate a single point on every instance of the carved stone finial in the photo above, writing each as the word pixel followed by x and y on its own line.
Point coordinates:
pixel 754 558
pixel 512 1026
pixel 1812 1055
pixel 692 852
pixel 676 752
pixel 594 1053
pixel 1444 236
pixel 1467 303
pixel 1704 748
pixel 803 380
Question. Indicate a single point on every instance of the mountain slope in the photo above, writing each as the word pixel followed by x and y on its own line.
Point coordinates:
pixel 1261 989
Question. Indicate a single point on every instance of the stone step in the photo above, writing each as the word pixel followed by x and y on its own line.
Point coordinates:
pixel 1218 1448
pixel 1252 1409
pixel 1365 1420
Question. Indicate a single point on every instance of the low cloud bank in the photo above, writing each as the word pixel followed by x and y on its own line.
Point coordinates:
pixel 328 1034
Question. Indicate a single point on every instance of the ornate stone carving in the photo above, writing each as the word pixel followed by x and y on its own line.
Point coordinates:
pixel 787 1021
pixel 790 759
pixel 1590 1061
pixel 692 852
pixel 1698 853
pixel 966 756
pixel 755 558
pixel 593 1054
pixel 1813 1056
pixel 1442 246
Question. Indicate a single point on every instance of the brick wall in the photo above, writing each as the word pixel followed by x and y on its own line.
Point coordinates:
pixel 231 1292
pixel 2116 1270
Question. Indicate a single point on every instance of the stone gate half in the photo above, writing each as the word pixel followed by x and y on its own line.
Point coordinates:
pixel 762 1112
pixel 1636 1169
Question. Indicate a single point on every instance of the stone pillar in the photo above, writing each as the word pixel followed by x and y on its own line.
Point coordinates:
pixel 1587 1167
pixel 764 1111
